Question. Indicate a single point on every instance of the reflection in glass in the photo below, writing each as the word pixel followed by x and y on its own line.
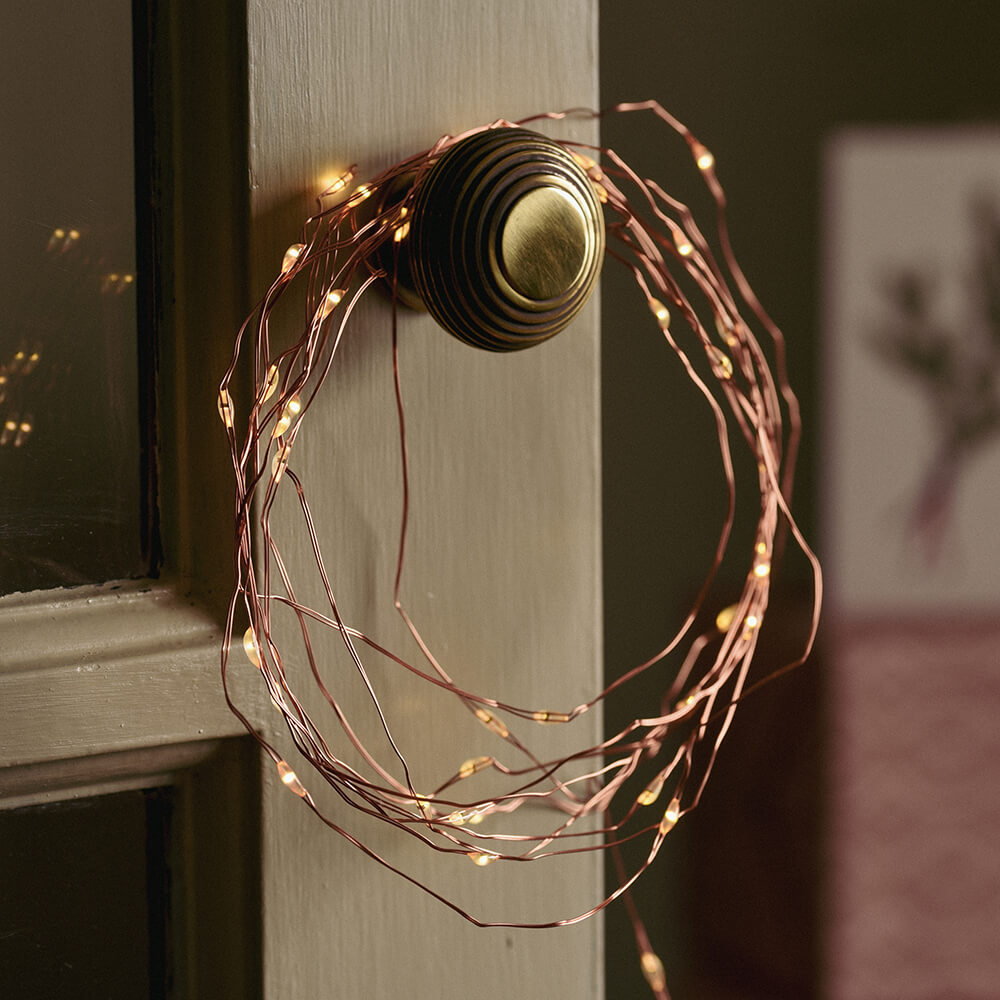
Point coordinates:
pixel 70 483
pixel 85 892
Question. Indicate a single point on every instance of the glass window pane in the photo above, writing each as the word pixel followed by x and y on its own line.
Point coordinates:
pixel 70 441
pixel 84 892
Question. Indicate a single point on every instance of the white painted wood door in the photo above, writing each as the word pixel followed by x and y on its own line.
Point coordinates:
pixel 504 570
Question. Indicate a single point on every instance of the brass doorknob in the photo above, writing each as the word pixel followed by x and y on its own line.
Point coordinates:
pixel 506 240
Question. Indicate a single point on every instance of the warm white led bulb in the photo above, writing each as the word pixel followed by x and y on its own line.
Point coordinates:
pixel 470 767
pixel 702 157
pixel 725 618
pixel 226 408
pixel 290 779
pixel 722 365
pixel 651 792
pixel 361 192
pixel 280 462
pixel 330 302
pixel 250 647
pixel 482 858
pixel 292 255
pixel 660 311
pixel 492 723
pixel 652 969
pixel 270 384
pixel 670 817
pixel 338 185
pixel 24 430
pixel 292 409
pixel 550 717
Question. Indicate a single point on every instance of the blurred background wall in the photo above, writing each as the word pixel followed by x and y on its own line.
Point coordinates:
pixel 780 884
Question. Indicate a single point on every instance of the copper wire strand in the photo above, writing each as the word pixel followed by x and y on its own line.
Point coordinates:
pixel 595 783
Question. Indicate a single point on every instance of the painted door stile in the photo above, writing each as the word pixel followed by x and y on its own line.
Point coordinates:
pixel 503 565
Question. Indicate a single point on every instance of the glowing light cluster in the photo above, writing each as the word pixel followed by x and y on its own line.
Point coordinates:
pixel 702 309
pixel 117 283
pixel 63 240
pixel 18 424
pixel 288 416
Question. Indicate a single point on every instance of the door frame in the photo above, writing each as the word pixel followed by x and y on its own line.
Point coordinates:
pixel 117 686
pixel 114 687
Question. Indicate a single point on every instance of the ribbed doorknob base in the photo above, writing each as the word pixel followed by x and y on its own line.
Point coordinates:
pixel 506 239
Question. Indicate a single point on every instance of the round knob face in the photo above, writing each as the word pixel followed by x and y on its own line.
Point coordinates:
pixel 507 239
pixel 544 243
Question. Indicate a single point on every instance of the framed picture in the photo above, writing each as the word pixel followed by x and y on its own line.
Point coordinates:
pixel 911 490
pixel 912 370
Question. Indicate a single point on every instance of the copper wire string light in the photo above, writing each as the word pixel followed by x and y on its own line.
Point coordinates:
pixel 637 783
